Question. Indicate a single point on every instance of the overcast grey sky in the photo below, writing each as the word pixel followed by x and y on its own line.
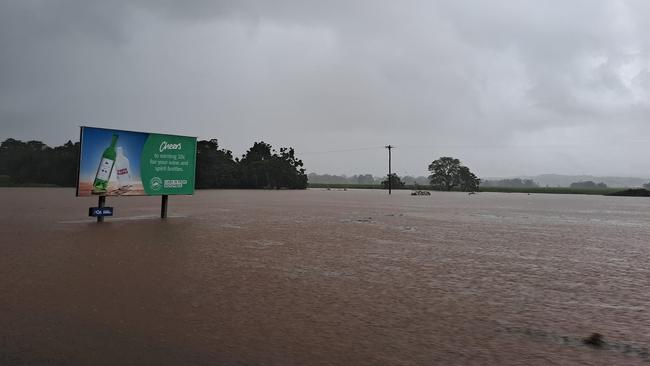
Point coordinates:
pixel 509 87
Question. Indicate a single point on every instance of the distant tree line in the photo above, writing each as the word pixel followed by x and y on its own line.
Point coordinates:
pixel 511 183
pixel 362 179
pixel 33 162
pixel 260 167
pixel 447 174
pixel 36 163
pixel 588 185
pixel 343 179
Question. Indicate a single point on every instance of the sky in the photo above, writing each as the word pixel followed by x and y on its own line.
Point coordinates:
pixel 511 88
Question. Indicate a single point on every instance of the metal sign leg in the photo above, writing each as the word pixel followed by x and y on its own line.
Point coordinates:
pixel 163 207
pixel 101 203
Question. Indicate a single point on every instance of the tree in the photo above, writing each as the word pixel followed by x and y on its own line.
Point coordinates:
pixel 255 166
pixel 215 168
pixel 263 167
pixel 395 182
pixel 646 186
pixel 288 171
pixel 468 181
pixel 35 162
pixel 447 173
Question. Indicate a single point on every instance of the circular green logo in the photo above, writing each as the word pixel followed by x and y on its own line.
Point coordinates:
pixel 155 183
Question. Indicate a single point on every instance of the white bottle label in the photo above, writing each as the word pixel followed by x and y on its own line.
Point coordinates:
pixel 105 167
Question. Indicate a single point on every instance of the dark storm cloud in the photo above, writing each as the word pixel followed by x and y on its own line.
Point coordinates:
pixel 509 87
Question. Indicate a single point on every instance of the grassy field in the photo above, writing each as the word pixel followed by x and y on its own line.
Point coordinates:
pixel 554 190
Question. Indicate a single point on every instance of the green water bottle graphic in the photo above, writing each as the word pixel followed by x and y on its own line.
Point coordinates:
pixel 105 168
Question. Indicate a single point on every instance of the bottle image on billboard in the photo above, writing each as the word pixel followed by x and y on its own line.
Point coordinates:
pixel 105 168
pixel 122 168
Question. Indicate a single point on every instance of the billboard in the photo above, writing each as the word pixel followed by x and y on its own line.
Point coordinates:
pixel 128 163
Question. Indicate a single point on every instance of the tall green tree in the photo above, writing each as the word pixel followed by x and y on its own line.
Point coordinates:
pixel 468 181
pixel 255 166
pixel 263 167
pixel 445 173
pixel 215 168
pixel 448 173
pixel 289 171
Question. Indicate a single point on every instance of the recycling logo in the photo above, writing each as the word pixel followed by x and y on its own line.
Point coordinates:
pixel 155 183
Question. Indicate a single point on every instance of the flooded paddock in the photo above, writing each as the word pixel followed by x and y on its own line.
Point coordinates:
pixel 324 278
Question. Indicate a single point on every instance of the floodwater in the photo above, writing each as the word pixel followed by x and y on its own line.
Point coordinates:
pixel 324 278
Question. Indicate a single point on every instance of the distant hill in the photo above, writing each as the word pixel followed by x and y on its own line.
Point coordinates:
pixel 558 180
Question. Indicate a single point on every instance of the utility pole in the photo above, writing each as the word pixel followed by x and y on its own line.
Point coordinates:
pixel 390 172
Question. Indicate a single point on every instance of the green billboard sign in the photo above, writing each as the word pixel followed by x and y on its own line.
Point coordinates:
pixel 128 163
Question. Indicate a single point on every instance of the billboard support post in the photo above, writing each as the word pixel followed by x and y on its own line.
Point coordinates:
pixel 101 203
pixel 163 207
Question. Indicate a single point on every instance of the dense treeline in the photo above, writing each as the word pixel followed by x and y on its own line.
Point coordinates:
pixel 259 167
pixel 36 163
pixel 33 162
pixel 511 183
pixel 588 185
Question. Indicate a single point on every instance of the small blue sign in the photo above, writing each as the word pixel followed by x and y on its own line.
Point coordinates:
pixel 100 211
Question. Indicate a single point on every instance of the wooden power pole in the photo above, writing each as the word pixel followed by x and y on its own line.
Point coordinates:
pixel 390 172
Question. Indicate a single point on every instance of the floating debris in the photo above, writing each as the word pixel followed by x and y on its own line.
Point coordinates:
pixel 369 219
pixel 420 193
pixel 594 340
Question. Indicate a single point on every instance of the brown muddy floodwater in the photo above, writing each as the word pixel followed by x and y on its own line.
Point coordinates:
pixel 324 278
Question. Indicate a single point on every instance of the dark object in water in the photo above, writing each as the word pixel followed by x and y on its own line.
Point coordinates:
pixel 594 340
pixel 420 193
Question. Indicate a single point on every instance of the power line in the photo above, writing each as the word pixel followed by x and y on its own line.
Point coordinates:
pixel 549 146
pixel 478 147
pixel 344 150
